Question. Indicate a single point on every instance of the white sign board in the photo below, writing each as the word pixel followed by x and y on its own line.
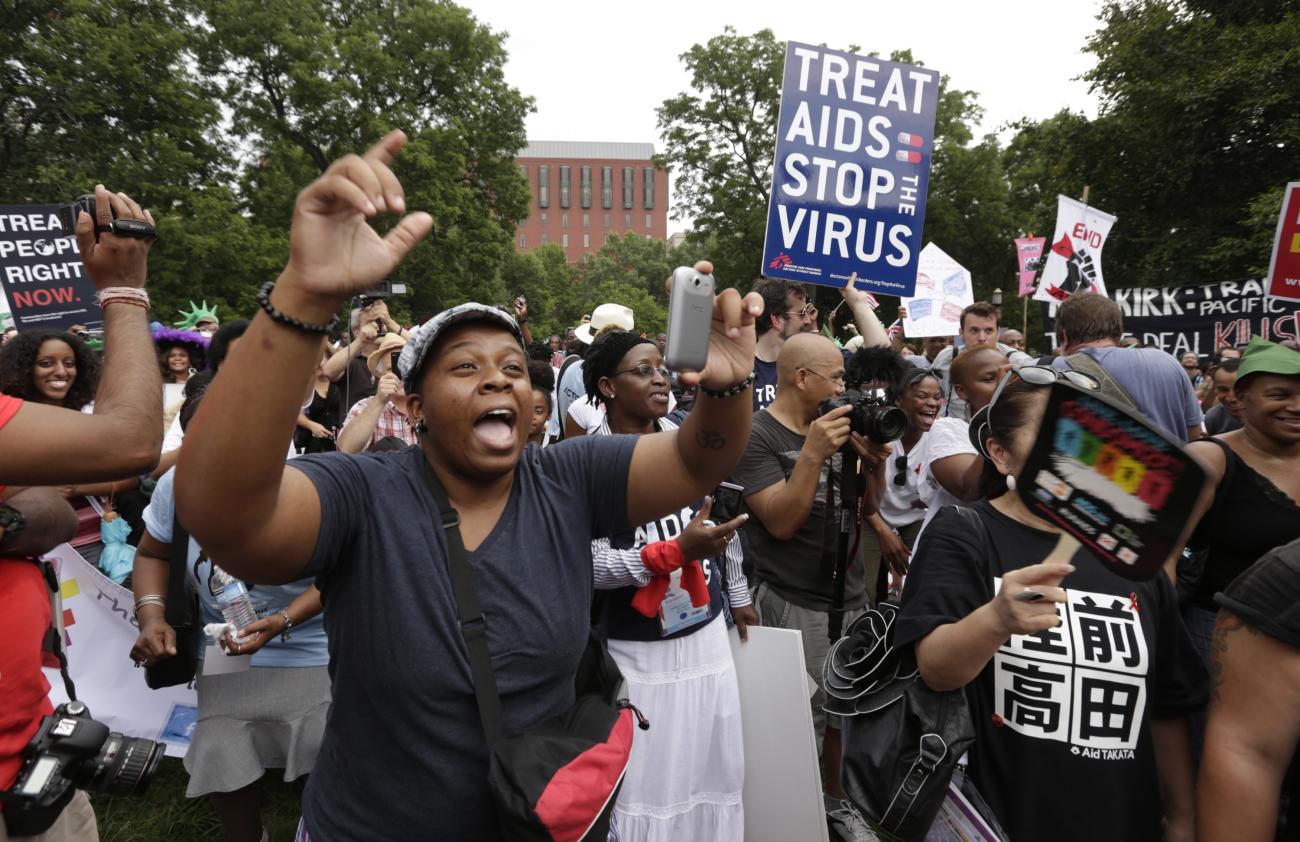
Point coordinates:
pixel 99 630
pixel 943 290
pixel 783 782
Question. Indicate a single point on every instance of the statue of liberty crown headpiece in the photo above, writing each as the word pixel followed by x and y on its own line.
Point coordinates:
pixel 197 314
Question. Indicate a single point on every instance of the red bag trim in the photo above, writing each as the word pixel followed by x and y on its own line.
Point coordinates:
pixel 578 792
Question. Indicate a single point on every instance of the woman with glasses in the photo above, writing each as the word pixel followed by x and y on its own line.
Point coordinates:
pixel 686 773
pixel 895 527
pixel 1079 681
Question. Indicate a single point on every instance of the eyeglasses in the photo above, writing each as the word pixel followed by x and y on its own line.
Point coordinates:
pixel 839 378
pixel 808 310
pixel 645 370
pixel 1038 375
pixel 900 478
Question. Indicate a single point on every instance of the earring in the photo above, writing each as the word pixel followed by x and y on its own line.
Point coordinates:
pixel 420 427
pixel 1011 480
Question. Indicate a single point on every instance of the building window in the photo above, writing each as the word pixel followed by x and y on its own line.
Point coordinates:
pixel 586 220
pixel 543 187
pixel 564 220
pixel 523 170
pixel 607 222
pixel 627 220
pixel 564 187
pixel 648 187
pixel 543 238
pixel 647 222
pixel 586 241
pixel 606 237
pixel 543 219
pixel 586 187
pixel 564 240
pixel 627 188
pixel 607 188
pixel 523 240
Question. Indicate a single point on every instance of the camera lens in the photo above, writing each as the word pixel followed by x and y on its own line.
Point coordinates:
pixel 885 424
pixel 125 765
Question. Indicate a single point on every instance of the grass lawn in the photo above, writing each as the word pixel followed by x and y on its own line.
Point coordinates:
pixel 164 813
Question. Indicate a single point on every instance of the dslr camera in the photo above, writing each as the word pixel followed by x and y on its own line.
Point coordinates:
pixel 67 215
pixel 873 415
pixel 71 751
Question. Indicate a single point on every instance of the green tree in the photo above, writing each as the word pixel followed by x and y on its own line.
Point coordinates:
pixel 1196 135
pixel 310 81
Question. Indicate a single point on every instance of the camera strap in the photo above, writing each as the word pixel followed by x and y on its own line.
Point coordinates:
pixel 54 634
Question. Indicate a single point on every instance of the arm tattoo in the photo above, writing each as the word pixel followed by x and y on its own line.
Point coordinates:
pixel 1226 624
pixel 710 440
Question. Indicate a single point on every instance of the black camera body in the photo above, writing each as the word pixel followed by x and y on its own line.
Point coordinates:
pixel 874 415
pixel 71 751
pixel 68 213
pixel 67 216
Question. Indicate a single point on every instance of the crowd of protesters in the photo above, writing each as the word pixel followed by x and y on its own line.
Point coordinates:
pixel 581 470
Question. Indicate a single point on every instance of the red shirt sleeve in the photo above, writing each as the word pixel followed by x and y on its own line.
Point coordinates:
pixel 8 408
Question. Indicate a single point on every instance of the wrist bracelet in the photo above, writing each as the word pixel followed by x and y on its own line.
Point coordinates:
pixel 288 623
pixel 122 295
pixel 731 392
pixel 264 301
pixel 150 599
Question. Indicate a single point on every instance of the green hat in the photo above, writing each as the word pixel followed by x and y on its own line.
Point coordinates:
pixel 1264 357
pixel 196 314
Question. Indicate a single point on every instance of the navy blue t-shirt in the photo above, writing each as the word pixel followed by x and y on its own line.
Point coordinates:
pixel 404 756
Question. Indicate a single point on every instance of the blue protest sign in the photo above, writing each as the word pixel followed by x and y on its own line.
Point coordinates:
pixel 851 171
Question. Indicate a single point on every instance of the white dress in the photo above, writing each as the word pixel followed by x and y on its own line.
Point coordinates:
pixel 686 774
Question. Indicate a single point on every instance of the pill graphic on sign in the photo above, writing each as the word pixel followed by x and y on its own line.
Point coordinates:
pixel 909 157
pixel 911 139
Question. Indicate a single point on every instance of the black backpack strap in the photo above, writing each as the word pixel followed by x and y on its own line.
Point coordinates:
pixel 472 623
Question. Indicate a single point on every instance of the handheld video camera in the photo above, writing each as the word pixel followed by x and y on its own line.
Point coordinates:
pixel 67 216
pixel 70 751
pixel 873 415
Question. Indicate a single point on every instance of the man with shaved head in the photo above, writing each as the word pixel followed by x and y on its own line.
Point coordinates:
pixel 784 472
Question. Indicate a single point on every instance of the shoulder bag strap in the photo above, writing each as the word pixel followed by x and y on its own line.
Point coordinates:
pixel 1086 364
pixel 179 611
pixel 472 623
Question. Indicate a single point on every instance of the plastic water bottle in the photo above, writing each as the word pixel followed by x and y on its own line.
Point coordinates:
pixel 233 600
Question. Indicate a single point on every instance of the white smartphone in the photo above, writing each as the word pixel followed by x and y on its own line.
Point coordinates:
pixel 690 319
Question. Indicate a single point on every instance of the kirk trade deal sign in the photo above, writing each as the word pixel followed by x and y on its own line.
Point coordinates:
pixel 852 167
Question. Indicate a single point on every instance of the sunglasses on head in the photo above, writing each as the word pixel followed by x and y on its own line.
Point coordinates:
pixel 1037 375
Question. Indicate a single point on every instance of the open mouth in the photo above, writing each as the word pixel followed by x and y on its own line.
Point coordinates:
pixel 927 417
pixel 496 428
pixel 57 385
pixel 659 397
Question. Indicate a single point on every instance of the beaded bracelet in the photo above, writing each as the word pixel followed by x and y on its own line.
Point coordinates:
pixel 264 301
pixel 733 391
pixel 122 295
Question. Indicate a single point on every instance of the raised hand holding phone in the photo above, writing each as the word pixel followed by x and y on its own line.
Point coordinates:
pixel 716 352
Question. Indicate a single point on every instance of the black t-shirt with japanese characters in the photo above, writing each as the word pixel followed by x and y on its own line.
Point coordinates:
pixel 1062 750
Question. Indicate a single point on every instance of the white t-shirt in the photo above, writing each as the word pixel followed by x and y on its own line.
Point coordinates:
pixel 896 507
pixel 948 437
pixel 175 435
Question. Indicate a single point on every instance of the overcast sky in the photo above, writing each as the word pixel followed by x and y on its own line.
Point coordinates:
pixel 598 70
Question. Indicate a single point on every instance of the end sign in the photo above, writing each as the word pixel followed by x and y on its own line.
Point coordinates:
pixel 1284 268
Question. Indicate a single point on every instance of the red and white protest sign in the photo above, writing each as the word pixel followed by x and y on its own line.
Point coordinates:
pixel 1074 260
pixel 1029 251
pixel 1284 269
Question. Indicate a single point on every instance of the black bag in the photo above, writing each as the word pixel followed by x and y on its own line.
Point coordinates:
pixel 182 614
pixel 901 739
pixel 559 779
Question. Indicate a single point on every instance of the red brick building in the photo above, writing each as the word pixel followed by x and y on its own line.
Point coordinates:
pixel 582 192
